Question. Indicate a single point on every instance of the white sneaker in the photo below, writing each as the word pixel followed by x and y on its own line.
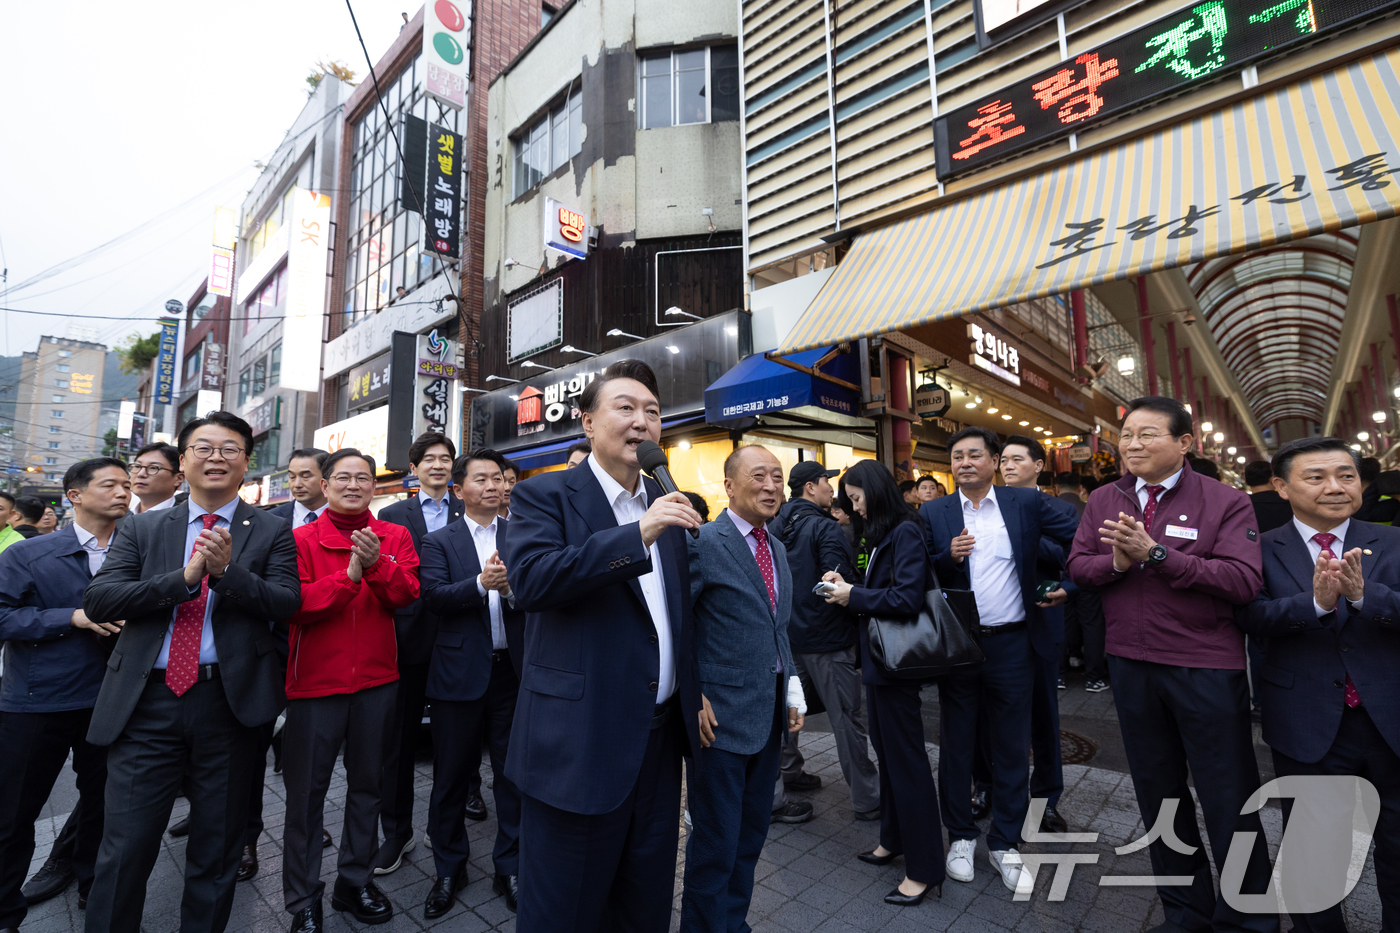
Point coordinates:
pixel 960 859
pixel 1008 864
pixel 427 841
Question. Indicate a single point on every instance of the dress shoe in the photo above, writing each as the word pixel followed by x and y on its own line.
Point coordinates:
pixel 392 854
pixel 248 865
pixel 508 886
pixel 794 811
pixel 476 808
pixel 443 893
pixel 1052 822
pixel 308 919
pixel 367 904
pixel 326 842
pixel 803 781
pixel 50 881
pixel 868 816
pixel 899 899
pixel 980 806
pixel 180 828
pixel 870 858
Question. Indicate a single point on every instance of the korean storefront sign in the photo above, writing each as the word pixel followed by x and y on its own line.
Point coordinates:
pixel 556 402
pixel 565 229
pixel 279 487
pixel 165 361
pixel 369 382
pixel 996 356
pixel 446 58
pixel 442 217
pixel 266 416
pixel 367 433
pixel 306 291
pixel 212 367
pixel 437 397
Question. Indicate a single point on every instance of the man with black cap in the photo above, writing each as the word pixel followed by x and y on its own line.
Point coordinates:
pixel 823 635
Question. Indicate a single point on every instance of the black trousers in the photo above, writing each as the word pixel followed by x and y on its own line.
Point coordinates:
pixel 192 744
pixel 1180 720
pixel 613 872
pixel 1085 613
pixel 396 807
pixel 1047 775
pixel 1005 687
pixel 909 820
pixel 36 746
pixel 312 736
pixel 258 784
pixel 1359 749
pixel 458 728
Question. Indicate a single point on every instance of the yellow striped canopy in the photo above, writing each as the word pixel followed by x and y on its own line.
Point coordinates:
pixel 1310 157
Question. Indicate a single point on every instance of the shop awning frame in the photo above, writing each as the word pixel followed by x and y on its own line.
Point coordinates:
pixel 1130 209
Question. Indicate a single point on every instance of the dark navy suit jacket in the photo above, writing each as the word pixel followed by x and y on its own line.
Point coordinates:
pixel 1030 515
pixel 415 624
pixel 894 585
pixel 448 567
pixel 49 665
pixel 589 686
pixel 285 511
pixel 1307 659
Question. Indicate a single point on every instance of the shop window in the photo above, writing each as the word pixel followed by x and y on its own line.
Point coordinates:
pixel 205 305
pixel 683 87
pixel 550 141
pixel 192 362
pixel 263 456
pixel 263 305
pixel 699 468
pixel 274 366
pixel 840 457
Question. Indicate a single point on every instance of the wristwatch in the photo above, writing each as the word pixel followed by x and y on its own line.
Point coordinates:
pixel 1156 555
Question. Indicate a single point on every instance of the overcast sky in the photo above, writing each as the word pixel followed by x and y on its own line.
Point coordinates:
pixel 117 113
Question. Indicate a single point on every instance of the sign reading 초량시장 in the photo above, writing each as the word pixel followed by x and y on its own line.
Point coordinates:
pixel 1203 40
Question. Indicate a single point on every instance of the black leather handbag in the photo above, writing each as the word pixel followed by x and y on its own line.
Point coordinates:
pixel 938 641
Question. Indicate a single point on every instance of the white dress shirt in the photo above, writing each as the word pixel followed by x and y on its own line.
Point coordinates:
pixel 484 537
pixel 96 555
pixel 746 530
pixel 1166 485
pixel 136 508
pixel 207 652
pixel 992 564
pixel 299 512
pixel 1315 551
pixel 434 511
pixel 628 508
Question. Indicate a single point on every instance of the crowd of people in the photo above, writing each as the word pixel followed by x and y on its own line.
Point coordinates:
pixel 606 645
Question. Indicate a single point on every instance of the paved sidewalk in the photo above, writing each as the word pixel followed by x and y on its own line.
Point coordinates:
pixel 809 880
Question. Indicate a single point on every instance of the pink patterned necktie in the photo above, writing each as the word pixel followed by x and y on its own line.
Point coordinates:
pixel 1150 512
pixel 182 666
pixel 1353 699
pixel 765 565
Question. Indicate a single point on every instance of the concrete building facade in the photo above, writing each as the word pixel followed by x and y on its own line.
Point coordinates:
pixel 58 406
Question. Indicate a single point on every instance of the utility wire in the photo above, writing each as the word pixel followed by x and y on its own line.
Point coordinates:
pixel 166 317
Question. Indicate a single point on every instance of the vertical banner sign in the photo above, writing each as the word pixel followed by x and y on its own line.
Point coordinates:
pixel 221 260
pixel 436 400
pixel 414 169
pixel 165 361
pixel 447 37
pixel 443 227
pixel 306 291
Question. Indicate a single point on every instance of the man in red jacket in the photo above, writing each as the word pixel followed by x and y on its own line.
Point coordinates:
pixel 1172 554
pixel 355 572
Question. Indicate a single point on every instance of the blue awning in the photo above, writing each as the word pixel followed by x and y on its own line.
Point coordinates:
pixel 758 385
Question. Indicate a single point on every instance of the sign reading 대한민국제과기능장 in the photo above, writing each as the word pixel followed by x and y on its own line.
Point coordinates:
pixel 1200 41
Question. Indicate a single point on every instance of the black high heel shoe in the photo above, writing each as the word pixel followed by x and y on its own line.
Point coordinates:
pixel 899 899
pixel 870 858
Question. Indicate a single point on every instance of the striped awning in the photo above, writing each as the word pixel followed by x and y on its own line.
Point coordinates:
pixel 1315 156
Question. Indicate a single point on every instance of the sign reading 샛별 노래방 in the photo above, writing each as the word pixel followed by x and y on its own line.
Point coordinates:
pixel 442 217
pixel 1201 41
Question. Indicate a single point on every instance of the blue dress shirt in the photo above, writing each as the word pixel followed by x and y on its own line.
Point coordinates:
pixel 207 652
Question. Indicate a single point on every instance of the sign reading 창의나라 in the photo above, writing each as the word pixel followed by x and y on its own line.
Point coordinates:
pixel 1201 41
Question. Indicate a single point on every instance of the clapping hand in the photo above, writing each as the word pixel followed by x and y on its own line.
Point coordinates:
pixel 217 546
pixel 493 575
pixel 364 551
pixel 1129 539
pixel 1334 579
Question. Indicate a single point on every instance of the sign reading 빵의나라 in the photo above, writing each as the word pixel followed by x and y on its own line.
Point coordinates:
pixel 1200 41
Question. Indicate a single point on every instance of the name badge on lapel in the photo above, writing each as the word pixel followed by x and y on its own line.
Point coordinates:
pixel 1178 531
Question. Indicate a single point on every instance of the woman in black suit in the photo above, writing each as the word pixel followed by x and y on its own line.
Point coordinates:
pixel 895 582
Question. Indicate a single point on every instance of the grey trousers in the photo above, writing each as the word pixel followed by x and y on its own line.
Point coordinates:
pixel 311 740
pixel 838 682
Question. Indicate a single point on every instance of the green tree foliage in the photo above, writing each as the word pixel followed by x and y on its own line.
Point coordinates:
pixel 137 352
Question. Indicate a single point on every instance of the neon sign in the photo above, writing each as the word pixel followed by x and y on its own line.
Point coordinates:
pixel 1207 39
pixel 571 225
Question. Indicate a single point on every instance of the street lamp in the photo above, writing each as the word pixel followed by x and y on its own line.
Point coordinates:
pixel 1126 365
pixel 571 349
pixel 533 365
pixel 1218 437
pixel 1363 436
pixel 1207 427
pixel 622 333
pixel 677 312
pixel 1232 450
pixel 1378 417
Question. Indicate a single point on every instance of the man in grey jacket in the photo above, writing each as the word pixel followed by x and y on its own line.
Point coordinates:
pixel 742 595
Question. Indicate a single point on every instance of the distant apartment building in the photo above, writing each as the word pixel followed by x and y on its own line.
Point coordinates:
pixel 58 407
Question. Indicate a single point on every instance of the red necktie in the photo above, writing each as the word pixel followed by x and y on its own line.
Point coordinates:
pixel 765 565
pixel 182 666
pixel 1353 699
pixel 1150 512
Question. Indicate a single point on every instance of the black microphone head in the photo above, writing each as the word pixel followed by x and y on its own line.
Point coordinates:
pixel 650 456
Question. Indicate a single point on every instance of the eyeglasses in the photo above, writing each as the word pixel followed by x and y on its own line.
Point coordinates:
pixel 204 451
pixel 342 480
pixel 154 469
pixel 1144 439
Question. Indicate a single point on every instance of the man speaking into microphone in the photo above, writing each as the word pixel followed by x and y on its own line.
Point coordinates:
pixel 609 699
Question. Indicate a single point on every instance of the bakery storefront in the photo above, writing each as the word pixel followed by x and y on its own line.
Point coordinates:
pixel 715 393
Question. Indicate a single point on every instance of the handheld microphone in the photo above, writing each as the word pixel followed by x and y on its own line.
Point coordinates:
pixel 652 459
